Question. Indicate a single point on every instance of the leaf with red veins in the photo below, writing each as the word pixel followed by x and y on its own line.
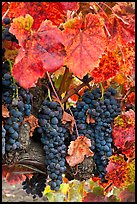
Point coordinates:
pixel 85 42
pixel 78 149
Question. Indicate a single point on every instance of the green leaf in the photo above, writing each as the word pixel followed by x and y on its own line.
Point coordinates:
pixel 131 187
pixel 98 190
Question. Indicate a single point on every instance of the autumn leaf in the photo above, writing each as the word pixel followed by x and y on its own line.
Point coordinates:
pixel 78 149
pixel 33 121
pixel 91 197
pixel 15 174
pixel 127 196
pixel 108 67
pixel 40 11
pixel 5 112
pixel 85 42
pixel 42 51
pixel 21 28
pixel 120 172
pixel 69 120
pixel 121 29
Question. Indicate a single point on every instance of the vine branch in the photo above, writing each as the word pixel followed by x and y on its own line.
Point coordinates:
pixel 75 90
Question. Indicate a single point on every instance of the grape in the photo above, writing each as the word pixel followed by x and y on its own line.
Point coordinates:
pixel 6 21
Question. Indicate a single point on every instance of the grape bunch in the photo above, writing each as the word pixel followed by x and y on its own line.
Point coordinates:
pixel 6 35
pixel 53 139
pixel 25 103
pixel 35 185
pixel 94 119
pixel 3 140
pixel 8 86
pixel 11 124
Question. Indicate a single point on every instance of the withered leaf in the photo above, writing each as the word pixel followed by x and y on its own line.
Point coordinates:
pixel 78 149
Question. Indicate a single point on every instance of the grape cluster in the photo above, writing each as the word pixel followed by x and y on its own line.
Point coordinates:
pixel 94 117
pixel 35 185
pixel 53 137
pixel 12 128
pixel 3 140
pixel 8 86
pixel 6 35
pixel 25 103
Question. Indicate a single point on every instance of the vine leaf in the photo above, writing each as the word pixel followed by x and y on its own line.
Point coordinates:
pixel 78 149
pixel 21 28
pixel 41 51
pixel 85 42
pixel 122 30
pixel 33 121
pixel 5 112
pixel 40 11
pixel 124 132
pixel 91 197
pixel 15 174
pixel 69 120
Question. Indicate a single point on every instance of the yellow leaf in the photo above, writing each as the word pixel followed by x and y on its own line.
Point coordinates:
pixel 64 187
pixel 47 190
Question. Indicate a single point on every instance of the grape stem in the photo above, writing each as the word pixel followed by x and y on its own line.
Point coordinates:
pixel 55 91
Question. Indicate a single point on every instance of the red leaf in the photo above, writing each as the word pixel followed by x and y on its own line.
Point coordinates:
pixel 78 149
pixel 11 175
pixel 26 72
pixel 122 30
pixel 85 42
pixel 42 51
pixel 91 197
pixel 70 5
pixel 54 11
pixel 127 196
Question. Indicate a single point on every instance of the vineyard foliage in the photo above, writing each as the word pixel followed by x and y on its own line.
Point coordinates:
pixel 77 46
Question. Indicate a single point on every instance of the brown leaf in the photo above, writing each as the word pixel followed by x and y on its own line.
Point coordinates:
pixel 5 112
pixel 78 149
pixel 67 118
pixel 89 119
pixel 33 123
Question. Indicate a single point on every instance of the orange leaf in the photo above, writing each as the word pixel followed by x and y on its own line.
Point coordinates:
pixel 78 149
pixel 85 42
pixel 108 67
pixel 67 118
pixel 33 123
pixel 5 112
